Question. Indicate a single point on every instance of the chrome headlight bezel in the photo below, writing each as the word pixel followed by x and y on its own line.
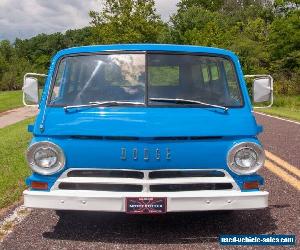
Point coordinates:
pixel 234 167
pixel 56 167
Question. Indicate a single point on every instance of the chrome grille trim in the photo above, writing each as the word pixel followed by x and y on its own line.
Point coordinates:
pixel 206 178
pixel 106 173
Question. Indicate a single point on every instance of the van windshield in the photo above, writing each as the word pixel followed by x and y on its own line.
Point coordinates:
pixel 152 79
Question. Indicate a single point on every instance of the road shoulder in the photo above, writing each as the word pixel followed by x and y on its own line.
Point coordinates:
pixel 15 115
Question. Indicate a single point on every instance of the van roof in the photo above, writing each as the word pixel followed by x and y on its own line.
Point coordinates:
pixel 144 47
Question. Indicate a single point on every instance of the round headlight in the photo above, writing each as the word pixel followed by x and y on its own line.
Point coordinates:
pixel 246 158
pixel 45 158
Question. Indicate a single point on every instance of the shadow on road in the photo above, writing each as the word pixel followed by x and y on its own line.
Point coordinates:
pixel 160 229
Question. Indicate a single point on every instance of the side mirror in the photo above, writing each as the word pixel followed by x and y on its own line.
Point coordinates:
pixel 31 89
pixel 262 89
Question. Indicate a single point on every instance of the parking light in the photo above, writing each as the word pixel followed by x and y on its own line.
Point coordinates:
pixel 251 185
pixel 39 185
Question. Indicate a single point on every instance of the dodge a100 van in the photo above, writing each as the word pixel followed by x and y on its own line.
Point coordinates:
pixel 145 128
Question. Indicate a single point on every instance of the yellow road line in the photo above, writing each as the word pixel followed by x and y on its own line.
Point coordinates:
pixel 283 163
pixel 283 174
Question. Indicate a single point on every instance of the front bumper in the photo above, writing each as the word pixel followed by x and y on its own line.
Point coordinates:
pixel 115 201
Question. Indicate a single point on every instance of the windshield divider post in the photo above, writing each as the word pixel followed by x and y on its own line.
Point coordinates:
pixel 146 80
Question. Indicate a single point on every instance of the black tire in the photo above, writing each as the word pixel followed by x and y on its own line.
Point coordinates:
pixel 63 213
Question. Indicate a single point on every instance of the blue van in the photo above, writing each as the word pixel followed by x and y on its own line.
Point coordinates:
pixel 145 128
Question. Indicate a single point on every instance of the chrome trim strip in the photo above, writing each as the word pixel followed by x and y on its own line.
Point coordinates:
pixel 146 181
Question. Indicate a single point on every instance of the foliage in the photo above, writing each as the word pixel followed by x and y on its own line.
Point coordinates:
pixel 266 42
pixel 284 106
pixel 292 102
pixel 284 44
pixel 212 5
pixel 265 36
pixel 126 21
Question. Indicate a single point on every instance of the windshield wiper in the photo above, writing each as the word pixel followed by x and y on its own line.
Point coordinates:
pixel 185 101
pixel 104 103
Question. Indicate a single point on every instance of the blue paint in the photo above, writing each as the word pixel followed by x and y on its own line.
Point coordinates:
pixel 91 148
pixel 30 128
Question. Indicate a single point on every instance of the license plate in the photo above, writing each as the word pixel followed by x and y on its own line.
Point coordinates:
pixel 143 205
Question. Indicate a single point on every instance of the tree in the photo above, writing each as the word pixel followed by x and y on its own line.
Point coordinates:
pixel 285 35
pixel 212 5
pixel 126 21
pixel 12 78
pixel 39 49
pixel 77 37
pixel 6 49
pixel 244 31
pixel 285 6
pixel 34 54
pixel 284 43
pixel 265 37
pixel 198 26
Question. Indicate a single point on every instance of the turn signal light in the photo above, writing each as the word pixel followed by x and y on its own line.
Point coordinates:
pixel 39 185
pixel 251 185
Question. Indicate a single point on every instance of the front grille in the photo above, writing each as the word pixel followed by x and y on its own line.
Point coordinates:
pixel 184 174
pixel 101 187
pixel 190 187
pixel 145 180
pixel 106 173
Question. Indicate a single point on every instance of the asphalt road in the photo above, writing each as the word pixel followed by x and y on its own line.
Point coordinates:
pixel 43 229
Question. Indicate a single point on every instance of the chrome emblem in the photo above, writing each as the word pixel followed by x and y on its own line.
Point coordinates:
pixel 157 154
pixel 168 157
pixel 123 153
pixel 147 153
pixel 135 154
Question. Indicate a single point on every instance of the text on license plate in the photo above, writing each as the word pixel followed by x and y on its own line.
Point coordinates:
pixel 146 205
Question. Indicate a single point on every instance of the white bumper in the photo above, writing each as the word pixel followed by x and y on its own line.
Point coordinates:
pixel 176 201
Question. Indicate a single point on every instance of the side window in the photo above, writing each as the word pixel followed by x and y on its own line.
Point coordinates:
pixel 230 74
pixel 59 80
pixel 210 72
pixel 214 71
pixel 205 73
pixel 163 75
pixel 232 82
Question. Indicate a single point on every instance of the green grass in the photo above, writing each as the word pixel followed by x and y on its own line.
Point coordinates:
pixel 292 102
pixel 13 167
pixel 10 100
pixel 284 106
pixel 282 112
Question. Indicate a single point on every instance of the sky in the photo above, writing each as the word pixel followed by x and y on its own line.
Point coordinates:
pixel 27 18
